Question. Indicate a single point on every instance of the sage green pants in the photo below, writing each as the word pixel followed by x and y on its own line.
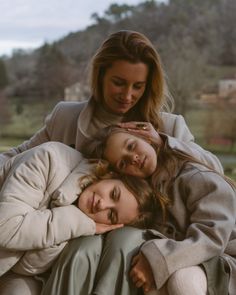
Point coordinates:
pixel 97 264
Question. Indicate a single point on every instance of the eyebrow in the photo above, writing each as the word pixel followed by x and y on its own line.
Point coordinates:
pixel 138 82
pixel 116 217
pixel 124 144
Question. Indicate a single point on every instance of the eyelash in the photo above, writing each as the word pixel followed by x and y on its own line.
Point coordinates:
pixel 122 164
pixel 130 146
pixel 110 216
pixel 114 195
pixel 137 87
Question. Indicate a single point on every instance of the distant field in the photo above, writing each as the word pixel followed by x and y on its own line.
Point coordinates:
pixel 32 118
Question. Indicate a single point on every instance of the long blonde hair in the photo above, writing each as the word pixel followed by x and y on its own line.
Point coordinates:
pixel 134 47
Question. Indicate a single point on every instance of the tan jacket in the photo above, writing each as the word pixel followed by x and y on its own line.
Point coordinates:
pixel 68 121
pixel 201 224
pixel 36 212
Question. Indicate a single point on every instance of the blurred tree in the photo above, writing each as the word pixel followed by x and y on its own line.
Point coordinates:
pixel 116 12
pixel 52 73
pixel 3 75
pixel 5 115
pixel 185 74
pixel 221 123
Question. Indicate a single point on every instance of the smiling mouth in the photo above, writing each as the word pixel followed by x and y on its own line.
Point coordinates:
pixel 143 162
pixel 92 204
pixel 120 102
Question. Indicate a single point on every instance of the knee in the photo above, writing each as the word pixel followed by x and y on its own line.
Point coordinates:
pixel 125 238
pixel 82 250
pixel 188 281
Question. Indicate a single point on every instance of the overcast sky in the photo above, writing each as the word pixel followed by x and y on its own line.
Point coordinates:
pixel 29 23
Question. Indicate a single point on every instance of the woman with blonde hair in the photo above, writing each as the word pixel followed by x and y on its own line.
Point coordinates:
pixel 127 83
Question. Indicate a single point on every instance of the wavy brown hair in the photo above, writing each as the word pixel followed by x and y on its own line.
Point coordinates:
pixel 148 203
pixel 134 47
pixel 168 160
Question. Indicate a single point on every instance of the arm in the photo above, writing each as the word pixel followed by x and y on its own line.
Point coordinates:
pixel 41 136
pixel 37 261
pixel 176 127
pixel 211 205
pixel 25 221
pixel 60 126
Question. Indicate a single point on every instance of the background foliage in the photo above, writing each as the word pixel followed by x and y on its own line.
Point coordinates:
pixel 195 38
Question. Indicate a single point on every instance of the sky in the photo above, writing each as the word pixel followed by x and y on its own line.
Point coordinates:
pixel 27 24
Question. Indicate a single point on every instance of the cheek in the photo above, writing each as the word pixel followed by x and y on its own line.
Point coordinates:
pixel 101 217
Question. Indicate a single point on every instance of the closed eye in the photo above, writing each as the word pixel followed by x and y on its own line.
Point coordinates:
pixel 112 216
pixel 115 194
pixel 139 86
pixel 121 165
pixel 131 146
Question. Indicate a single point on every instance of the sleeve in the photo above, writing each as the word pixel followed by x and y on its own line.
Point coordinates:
pixel 24 223
pixel 180 137
pixel 41 136
pixel 211 203
pixel 34 262
pixel 196 151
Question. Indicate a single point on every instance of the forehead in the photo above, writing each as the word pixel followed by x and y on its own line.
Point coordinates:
pixel 115 145
pixel 128 208
pixel 127 70
pixel 116 141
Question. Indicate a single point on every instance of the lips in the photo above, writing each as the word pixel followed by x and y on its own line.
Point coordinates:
pixel 92 203
pixel 124 103
pixel 143 162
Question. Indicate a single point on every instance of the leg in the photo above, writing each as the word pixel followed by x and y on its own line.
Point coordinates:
pixel 190 280
pixel 113 272
pixel 14 284
pixel 75 269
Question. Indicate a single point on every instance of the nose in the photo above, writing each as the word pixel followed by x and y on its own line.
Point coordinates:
pixel 103 205
pixel 134 159
pixel 127 94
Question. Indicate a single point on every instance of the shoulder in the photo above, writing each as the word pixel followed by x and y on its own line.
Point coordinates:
pixel 171 120
pixel 60 151
pixel 175 125
pixel 53 153
pixel 170 116
pixel 70 106
pixel 199 179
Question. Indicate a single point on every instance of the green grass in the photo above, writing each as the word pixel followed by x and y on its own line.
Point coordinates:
pixel 32 118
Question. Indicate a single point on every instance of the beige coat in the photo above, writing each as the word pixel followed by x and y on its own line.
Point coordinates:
pixel 69 120
pixel 201 224
pixel 37 217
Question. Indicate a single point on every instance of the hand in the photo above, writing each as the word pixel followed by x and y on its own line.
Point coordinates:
pixel 141 273
pixel 144 129
pixel 103 228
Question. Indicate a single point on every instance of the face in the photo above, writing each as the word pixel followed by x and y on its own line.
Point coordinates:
pixel 130 155
pixel 124 84
pixel 109 202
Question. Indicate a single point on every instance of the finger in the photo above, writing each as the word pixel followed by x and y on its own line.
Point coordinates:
pixel 103 228
pixel 139 284
pixel 132 124
pixel 137 281
pixel 134 260
pixel 148 288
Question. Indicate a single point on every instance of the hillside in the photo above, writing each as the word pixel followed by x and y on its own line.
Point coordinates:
pixel 196 41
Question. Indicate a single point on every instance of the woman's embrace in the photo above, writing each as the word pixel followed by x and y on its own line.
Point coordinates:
pixel 127 83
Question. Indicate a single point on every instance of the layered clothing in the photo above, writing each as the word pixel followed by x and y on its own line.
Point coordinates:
pixel 37 215
pixel 201 223
pixel 74 123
